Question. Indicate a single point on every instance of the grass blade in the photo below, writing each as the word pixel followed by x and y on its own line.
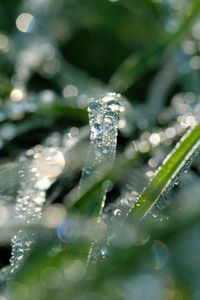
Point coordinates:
pixel 165 177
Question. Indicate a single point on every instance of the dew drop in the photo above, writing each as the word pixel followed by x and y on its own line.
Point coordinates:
pixel 117 212
pixel 43 184
pixel 113 105
pixel 109 123
pixel 98 151
pixel 110 114
pixel 94 106
pixel 104 252
pixel 49 165
pixel 88 171
pixel 67 230
pixel 96 130
pixel 106 149
pixel 109 97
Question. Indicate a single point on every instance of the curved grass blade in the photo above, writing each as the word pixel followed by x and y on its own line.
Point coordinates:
pixel 137 64
pixel 166 176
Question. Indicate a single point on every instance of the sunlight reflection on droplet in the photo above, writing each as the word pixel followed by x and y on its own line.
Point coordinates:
pixel 25 22
pixel 170 132
pixel 70 91
pixel 50 163
pixel 144 147
pixel 154 139
pixel 190 121
pixel 153 163
pixel 17 95
pixel 149 174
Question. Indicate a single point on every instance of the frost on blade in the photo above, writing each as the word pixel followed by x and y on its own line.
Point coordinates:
pixel 103 120
pixel 39 169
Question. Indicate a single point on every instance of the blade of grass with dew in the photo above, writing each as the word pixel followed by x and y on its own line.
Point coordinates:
pixel 137 64
pixel 166 176
pixel 82 203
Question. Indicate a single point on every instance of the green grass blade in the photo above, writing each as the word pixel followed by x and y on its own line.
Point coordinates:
pixel 83 202
pixel 166 174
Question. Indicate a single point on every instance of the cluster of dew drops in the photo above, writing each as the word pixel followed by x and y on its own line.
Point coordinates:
pixel 40 167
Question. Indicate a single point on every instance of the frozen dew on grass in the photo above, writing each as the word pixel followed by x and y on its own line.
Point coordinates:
pixel 104 121
pixel 40 167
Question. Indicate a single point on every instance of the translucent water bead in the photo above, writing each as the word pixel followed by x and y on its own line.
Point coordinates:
pixel 94 107
pixel 96 131
pixel 47 166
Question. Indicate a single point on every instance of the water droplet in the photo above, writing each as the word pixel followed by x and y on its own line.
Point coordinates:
pixel 73 133
pixel 113 105
pixel 108 120
pixel 49 164
pixel 106 149
pixel 176 182
pixel 94 106
pixel 67 230
pixel 39 200
pixel 109 123
pixel 98 151
pixel 117 213
pixel 110 114
pixel 109 97
pixel 43 184
pixel 104 252
pixel 88 171
pixel 96 130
